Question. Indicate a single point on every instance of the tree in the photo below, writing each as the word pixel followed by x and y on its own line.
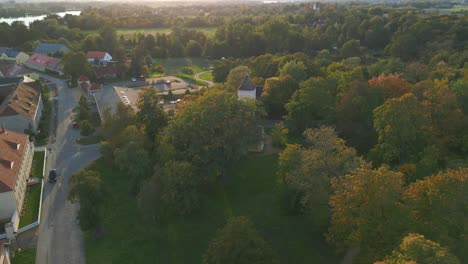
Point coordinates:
pixel 115 123
pixel 86 188
pixel 75 63
pixel 150 116
pixel 312 104
pixel 438 208
pixel 132 158
pixel 236 76
pixel 279 135
pixel 296 70
pixel 367 212
pixel 393 85
pixel 109 38
pixel 213 130
pixel 402 128
pixel 86 128
pixel 415 248
pixel 193 49
pixel 173 189
pixel 307 172
pixel 276 93
pixel 237 243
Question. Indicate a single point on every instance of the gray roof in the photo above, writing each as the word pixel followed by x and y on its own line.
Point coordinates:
pixel 247 84
pixel 47 48
pixel 10 52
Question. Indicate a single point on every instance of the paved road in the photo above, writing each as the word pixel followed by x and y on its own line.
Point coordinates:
pixel 60 238
pixel 197 76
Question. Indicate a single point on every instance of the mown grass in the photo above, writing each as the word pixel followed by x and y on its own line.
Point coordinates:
pixel 89 140
pixel 207 76
pixel 31 210
pixel 37 169
pixel 25 256
pixel 251 190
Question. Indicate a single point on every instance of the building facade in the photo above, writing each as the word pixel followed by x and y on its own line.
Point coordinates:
pixel 16 155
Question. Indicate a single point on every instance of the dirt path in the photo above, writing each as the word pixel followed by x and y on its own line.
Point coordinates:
pixel 197 77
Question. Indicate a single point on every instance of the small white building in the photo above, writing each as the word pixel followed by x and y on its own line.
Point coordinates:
pixel 247 89
pixel 99 57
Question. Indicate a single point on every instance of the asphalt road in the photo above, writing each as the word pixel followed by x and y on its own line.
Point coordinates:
pixel 60 239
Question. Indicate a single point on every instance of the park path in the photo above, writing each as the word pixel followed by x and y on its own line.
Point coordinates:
pixel 197 77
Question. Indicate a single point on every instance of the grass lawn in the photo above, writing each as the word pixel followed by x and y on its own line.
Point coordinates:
pixel 130 32
pixel 174 65
pixel 207 76
pixel 252 191
pixel 37 169
pixel 32 205
pixel 25 256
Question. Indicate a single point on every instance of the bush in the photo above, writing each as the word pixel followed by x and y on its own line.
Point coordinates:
pixel 159 69
pixel 186 70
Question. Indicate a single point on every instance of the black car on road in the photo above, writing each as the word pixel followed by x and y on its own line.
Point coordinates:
pixel 52 176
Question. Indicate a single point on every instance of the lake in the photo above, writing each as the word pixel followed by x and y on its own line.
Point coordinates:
pixel 29 19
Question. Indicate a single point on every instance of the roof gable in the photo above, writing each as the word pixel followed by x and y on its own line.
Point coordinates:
pixel 23 101
pixel 247 84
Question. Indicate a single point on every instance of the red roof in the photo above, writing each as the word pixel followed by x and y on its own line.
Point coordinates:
pixel 96 54
pixel 43 60
pixel 95 87
pixel 12 148
pixel 83 78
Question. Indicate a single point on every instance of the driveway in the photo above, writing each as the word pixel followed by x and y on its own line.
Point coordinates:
pixel 60 238
pixel 197 76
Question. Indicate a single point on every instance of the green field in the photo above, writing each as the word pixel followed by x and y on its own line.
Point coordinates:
pixel 130 32
pixel 251 190
pixel 25 256
pixel 207 76
pixel 37 169
pixel 173 66
pixel 31 211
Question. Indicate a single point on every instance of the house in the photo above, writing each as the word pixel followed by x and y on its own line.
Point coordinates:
pixel 15 55
pixel 16 154
pixel 88 86
pixel 99 57
pixel 51 49
pixel 21 106
pixel 9 69
pixel 106 72
pixel 4 254
pixel 45 63
pixel 247 89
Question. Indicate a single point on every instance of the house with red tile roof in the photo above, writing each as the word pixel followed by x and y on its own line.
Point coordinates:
pixel 98 57
pixel 106 72
pixel 88 86
pixel 45 63
pixel 21 105
pixel 16 154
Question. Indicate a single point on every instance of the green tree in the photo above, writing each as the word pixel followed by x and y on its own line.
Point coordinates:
pixel 213 130
pixel 75 63
pixel 86 128
pixel 307 172
pixel 115 123
pixel 351 49
pixel 193 49
pixel 237 243
pixel 312 104
pixel 367 212
pixel 86 188
pixel 295 69
pixel 402 128
pixel 279 135
pixel 150 116
pixel 173 189
pixel 438 206
pixel 109 38
pixel 276 93
pixel 236 76
pixel 415 248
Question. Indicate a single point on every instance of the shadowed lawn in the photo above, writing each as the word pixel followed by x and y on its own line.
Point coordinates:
pixel 25 256
pixel 38 164
pixel 31 210
pixel 251 190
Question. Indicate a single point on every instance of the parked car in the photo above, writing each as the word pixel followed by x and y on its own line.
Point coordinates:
pixel 52 176
pixel 75 125
pixel 133 79
pixel 168 83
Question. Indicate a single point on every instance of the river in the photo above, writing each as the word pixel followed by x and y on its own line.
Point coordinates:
pixel 29 19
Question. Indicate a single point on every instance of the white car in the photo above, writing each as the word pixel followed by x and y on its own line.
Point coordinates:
pixel 133 79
